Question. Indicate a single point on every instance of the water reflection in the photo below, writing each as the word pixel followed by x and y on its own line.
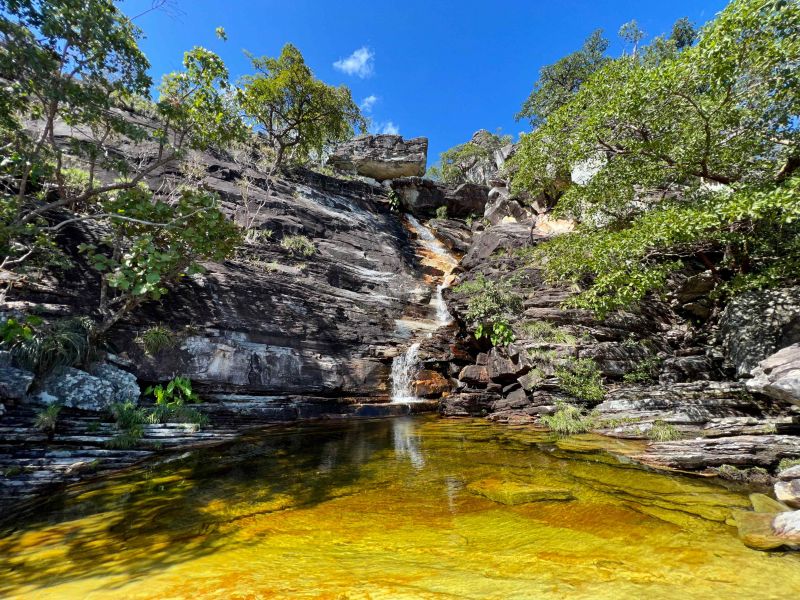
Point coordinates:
pixel 407 442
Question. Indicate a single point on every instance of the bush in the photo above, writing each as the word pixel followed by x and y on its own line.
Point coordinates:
pixel 157 338
pixel 663 432
pixel 568 419
pixel 489 304
pixel 581 379
pixel 645 370
pixel 545 332
pixel 64 344
pixel 298 245
pixel 441 212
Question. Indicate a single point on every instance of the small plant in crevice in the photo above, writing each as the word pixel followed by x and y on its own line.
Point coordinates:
pixel 581 378
pixel 47 419
pixel 394 201
pixel 171 402
pixel 569 419
pixel 298 245
pixel 130 421
pixel 786 463
pixel 441 212
pixel 470 220
pixel 645 370
pixel 546 332
pixel 157 338
pixel 661 431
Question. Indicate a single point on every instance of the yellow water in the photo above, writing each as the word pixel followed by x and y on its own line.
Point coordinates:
pixel 393 509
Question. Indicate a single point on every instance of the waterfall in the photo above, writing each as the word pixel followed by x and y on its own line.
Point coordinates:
pixel 403 367
pixel 438 256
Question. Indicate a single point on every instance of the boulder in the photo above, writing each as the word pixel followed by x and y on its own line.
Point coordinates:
pixel 474 375
pixel 778 376
pixel 788 492
pixel 14 383
pixel 503 369
pixel 124 383
pixel 381 157
pixel 467 404
pixel 512 493
pixel 764 504
pixel 430 384
pixel 77 389
pixel 757 324
pixel 765 531
pixel 790 473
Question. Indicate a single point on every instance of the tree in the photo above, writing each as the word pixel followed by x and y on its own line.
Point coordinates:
pixel 558 82
pixel 456 163
pixel 72 68
pixel 699 159
pixel 631 33
pixel 298 113
pixel 683 33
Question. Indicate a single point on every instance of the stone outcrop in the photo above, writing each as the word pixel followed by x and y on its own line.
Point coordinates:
pixel 381 157
pixel 778 375
pixel 741 450
pixel 422 197
pixel 72 387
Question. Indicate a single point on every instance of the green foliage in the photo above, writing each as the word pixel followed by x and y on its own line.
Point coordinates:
pixel 581 378
pixel 631 33
pixel 455 163
pixel 489 305
pixel 298 113
pixel 47 418
pixel 157 338
pixel 298 245
pixel 559 82
pixel 13 330
pixel 645 370
pixel 470 220
pixel 441 212
pixel 65 343
pixel 663 432
pixel 671 182
pixel 547 333
pixel 683 33
pixel 569 419
pixel 394 201
pixel 176 392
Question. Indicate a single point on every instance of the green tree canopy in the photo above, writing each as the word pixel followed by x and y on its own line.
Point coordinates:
pixel 456 163
pixel 694 156
pixel 558 82
pixel 298 113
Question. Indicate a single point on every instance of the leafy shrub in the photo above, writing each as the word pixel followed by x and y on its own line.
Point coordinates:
pixel 441 212
pixel 545 332
pixel 394 201
pixel 176 392
pixel 13 330
pixel 298 245
pixel 569 419
pixel 663 432
pixel 64 344
pixel 500 333
pixel 488 304
pixel 581 379
pixel 47 418
pixel 157 338
pixel 645 370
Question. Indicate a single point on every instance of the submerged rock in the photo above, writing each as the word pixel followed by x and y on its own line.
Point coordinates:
pixel 381 156
pixel 512 493
pixel 765 531
pixel 764 504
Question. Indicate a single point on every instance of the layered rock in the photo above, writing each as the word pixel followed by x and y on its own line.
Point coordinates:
pixel 778 376
pixel 381 157
pixel 422 197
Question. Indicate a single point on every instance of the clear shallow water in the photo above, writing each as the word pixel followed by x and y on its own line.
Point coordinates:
pixel 393 509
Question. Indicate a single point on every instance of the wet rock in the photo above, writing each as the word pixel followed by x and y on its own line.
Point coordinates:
pixel 381 156
pixel 788 492
pixel 764 504
pixel 14 383
pixel 778 376
pixel 430 384
pixel 77 389
pixel 512 493
pixel 467 404
pixel 764 531
pixel 125 386
pixel 742 450
pixel 757 324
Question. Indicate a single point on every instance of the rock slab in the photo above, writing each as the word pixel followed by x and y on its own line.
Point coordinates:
pixel 381 157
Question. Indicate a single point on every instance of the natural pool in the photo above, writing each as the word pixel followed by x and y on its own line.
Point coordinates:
pixel 393 508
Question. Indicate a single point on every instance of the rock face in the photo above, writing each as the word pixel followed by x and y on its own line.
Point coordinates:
pixel 758 323
pixel 14 383
pixel 77 389
pixel 778 376
pixel 381 157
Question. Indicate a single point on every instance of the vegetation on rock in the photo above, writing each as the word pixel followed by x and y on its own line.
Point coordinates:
pixel 568 419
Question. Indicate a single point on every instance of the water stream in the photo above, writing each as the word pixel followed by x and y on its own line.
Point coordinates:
pixel 404 508
pixel 437 255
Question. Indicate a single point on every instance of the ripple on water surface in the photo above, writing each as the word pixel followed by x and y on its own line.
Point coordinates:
pixel 403 508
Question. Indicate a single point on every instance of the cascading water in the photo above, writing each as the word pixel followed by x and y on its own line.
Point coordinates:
pixel 403 375
pixel 403 366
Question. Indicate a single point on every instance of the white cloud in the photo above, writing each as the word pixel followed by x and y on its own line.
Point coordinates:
pixel 360 63
pixel 368 102
pixel 388 127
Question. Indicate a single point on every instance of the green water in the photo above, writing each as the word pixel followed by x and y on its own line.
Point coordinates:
pixel 402 508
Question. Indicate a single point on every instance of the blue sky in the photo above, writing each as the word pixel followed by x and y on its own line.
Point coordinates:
pixel 439 69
